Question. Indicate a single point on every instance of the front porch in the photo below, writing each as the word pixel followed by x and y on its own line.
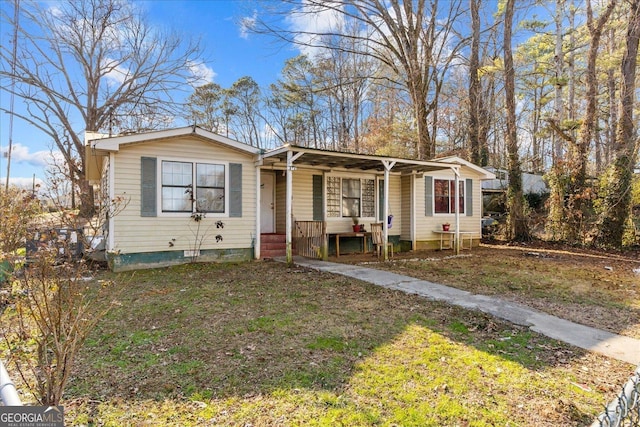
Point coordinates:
pixel 311 240
pixel 313 197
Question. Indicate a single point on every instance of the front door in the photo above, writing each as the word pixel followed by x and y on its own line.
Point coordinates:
pixel 267 203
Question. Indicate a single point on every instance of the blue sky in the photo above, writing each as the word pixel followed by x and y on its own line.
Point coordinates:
pixel 230 54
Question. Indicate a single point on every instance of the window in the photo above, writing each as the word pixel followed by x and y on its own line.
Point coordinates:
pixel 444 195
pixel 178 187
pixel 350 197
pixel 210 188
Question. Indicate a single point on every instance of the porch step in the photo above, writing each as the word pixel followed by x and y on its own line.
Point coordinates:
pixel 273 245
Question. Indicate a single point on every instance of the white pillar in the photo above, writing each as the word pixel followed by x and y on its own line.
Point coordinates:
pixel 257 245
pixel 289 205
pixel 385 221
pixel 457 207
pixel 289 209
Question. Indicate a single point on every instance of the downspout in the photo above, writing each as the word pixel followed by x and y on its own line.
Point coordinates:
pixel 385 223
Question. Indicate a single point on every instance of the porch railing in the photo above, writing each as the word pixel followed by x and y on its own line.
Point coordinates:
pixel 309 238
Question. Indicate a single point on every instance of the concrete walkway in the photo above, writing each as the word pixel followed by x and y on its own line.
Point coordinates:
pixel 616 346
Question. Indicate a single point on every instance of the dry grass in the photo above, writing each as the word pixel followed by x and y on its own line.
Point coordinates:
pixel 589 287
pixel 262 344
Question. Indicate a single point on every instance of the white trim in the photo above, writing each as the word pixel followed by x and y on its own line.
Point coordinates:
pixel 161 213
pixel 346 175
pixel 301 150
pixel 433 198
pixel 111 237
pixel 114 143
pixel 485 174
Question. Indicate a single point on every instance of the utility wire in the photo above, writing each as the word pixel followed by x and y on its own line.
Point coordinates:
pixel 13 83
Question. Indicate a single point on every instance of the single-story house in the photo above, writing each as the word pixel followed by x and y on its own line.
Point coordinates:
pixel 191 194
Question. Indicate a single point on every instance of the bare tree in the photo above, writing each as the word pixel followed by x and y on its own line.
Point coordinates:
pixel 477 137
pixel 415 39
pixel 517 228
pixel 205 107
pixel 244 96
pixel 616 184
pixel 578 151
pixel 93 65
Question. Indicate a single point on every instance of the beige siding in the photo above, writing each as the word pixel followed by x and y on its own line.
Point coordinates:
pixel 425 225
pixel 407 182
pixel 396 205
pixel 303 201
pixel 136 234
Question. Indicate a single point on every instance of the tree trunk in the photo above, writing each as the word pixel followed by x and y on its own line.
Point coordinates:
pixel 558 101
pixel 579 198
pixel 615 186
pixel 517 228
pixel 474 84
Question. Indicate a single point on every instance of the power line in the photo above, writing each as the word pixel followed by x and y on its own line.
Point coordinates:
pixel 13 83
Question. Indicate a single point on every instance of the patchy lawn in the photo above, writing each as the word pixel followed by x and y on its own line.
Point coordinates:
pixel 589 287
pixel 262 344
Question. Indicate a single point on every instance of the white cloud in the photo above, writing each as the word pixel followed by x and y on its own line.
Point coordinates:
pixel 311 20
pixel 20 154
pixel 25 183
pixel 118 74
pixel 201 74
pixel 247 23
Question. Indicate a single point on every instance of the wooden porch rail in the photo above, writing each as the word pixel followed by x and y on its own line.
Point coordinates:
pixel 309 238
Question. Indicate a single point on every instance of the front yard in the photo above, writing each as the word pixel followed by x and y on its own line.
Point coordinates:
pixel 262 344
pixel 588 287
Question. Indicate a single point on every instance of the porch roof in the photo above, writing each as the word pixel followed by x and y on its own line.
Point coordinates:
pixel 334 159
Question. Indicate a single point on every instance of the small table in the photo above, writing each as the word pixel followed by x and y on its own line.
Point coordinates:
pixel 362 234
pixel 449 242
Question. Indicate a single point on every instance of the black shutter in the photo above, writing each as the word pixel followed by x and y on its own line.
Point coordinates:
pixel 148 193
pixel 381 200
pixel 318 200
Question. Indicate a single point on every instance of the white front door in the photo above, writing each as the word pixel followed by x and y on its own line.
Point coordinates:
pixel 267 203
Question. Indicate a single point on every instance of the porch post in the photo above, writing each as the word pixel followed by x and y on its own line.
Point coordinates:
pixel 289 205
pixel 289 210
pixel 257 245
pixel 457 207
pixel 385 222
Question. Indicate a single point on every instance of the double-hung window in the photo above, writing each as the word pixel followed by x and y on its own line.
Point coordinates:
pixel 191 186
pixel 444 196
pixel 350 197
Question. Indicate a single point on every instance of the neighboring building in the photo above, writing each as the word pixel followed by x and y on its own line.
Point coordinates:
pixel 249 196
pixel 531 183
